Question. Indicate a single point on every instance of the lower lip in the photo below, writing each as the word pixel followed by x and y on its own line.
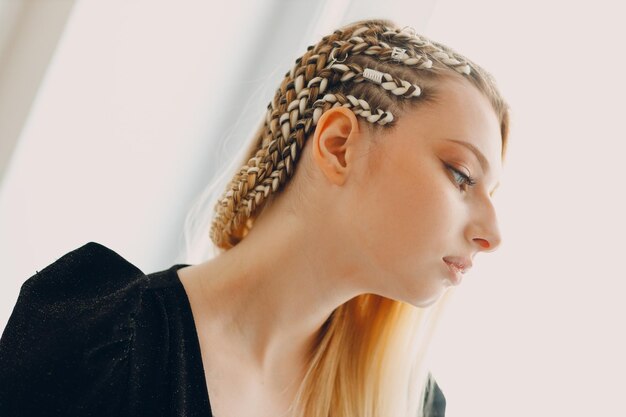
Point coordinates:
pixel 455 275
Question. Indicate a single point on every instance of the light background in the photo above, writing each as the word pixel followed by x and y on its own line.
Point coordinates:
pixel 140 100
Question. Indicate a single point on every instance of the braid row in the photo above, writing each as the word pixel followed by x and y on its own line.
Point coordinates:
pixel 300 101
pixel 408 35
pixel 359 106
pixel 369 45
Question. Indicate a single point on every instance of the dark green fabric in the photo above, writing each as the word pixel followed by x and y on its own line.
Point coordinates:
pixel 92 335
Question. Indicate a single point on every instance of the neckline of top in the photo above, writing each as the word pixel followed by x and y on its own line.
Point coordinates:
pixel 173 277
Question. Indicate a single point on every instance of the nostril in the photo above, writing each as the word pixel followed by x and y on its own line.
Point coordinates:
pixel 483 243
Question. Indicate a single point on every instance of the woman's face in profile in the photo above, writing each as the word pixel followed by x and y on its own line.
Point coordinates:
pixel 413 207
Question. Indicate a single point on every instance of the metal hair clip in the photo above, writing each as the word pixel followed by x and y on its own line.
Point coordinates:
pixel 334 60
pixel 398 53
pixel 373 75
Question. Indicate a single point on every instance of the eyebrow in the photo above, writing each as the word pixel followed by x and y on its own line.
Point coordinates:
pixel 484 164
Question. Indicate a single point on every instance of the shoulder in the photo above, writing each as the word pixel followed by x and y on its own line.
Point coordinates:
pixel 70 330
pixel 66 299
pixel 86 271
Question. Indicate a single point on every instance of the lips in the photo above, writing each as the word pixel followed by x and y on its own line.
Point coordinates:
pixel 462 264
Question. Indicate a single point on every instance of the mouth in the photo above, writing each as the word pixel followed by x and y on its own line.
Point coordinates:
pixel 456 270
pixel 463 264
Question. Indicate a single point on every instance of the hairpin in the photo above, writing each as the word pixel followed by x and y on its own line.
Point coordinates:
pixel 334 60
pixel 398 53
pixel 373 75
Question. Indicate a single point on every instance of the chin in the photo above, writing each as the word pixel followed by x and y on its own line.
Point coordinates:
pixel 424 304
pixel 418 292
pixel 426 300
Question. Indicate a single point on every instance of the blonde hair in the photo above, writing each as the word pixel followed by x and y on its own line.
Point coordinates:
pixel 369 358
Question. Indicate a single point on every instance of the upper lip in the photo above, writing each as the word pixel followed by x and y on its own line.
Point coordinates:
pixel 460 262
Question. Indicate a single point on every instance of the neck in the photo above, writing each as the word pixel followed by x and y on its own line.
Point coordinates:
pixel 269 295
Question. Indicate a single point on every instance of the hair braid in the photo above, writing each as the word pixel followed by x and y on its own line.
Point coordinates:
pixel 300 101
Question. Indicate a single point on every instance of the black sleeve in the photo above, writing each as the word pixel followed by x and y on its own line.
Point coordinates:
pixel 65 349
pixel 435 401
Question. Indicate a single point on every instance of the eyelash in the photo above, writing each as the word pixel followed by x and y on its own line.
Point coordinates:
pixel 467 180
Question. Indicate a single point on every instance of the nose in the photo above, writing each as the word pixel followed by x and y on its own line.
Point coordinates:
pixel 485 233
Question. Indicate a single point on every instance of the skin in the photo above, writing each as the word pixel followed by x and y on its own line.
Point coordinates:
pixel 362 214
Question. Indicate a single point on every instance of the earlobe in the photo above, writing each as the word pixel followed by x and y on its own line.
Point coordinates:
pixel 333 138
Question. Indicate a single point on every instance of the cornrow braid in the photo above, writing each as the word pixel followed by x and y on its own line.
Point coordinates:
pixel 303 97
pixel 359 107
pixel 369 45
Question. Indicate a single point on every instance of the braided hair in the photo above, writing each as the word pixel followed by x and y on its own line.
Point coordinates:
pixel 370 67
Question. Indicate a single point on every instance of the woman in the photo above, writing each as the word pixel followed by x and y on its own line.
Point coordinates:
pixel 320 302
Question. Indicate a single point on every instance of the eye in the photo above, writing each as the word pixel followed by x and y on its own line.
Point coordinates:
pixel 463 181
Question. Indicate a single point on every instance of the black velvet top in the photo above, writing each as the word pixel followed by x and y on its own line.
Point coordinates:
pixel 92 335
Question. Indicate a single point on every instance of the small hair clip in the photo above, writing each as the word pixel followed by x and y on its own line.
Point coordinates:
pixel 334 60
pixel 398 53
pixel 373 75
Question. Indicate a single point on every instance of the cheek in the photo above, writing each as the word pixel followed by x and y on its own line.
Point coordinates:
pixel 403 238
pixel 406 218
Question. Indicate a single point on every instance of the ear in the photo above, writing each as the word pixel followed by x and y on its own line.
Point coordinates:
pixel 334 142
